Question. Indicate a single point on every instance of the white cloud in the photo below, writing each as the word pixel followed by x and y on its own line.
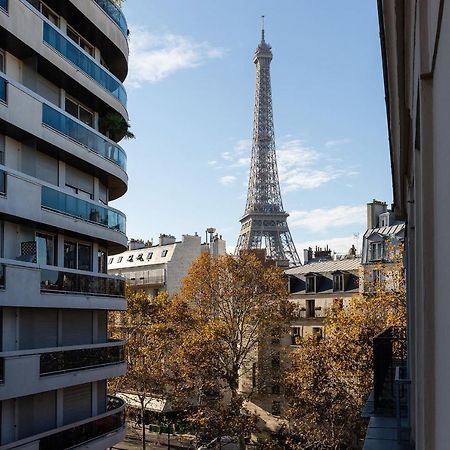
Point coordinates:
pixel 227 180
pixel 155 56
pixel 212 163
pixel 340 245
pixel 337 142
pixel 320 220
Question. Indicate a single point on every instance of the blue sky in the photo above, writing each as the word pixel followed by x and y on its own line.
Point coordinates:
pixel 190 98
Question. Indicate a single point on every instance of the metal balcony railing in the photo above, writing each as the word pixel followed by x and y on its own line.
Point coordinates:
pixel 83 134
pixel 115 13
pixel 83 209
pixel 389 352
pixel 52 363
pixel 69 50
pixel 77 283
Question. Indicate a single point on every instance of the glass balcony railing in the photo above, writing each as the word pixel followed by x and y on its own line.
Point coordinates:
pixel 3 84
pixel 4 4
pixel 83 135
pixel 62 281
pixel 115 13
pixel 77 207
pixel 63 45
pixel 73 437
pixel 86 358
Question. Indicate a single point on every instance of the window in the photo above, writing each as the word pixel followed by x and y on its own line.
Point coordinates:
pixel 276 360
pixel 276 408
pixel 2 149
pixel 275 389
pixel 77 256
pixel 46 11
pixel 164 253
pixel 2 61
pixel 338 282
pixel 149 256
pixel 254 369
pixel 110 260
pixel 310 308
pixel 140 257
pixel 296 335
pixel 311 283
pixel 79 111
pixel 46 249
pixel 83 43
pixel 376 276
pixel 338 303
pixel 317 333
pixel 130 258
pixel 376 251
pixel 79 192
pixel 119 259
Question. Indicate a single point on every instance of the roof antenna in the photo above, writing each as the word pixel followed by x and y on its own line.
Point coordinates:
pixel 262 28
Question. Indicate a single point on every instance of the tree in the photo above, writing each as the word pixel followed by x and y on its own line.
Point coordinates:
pixel 147 349
pixel 231 305
pixel 330 379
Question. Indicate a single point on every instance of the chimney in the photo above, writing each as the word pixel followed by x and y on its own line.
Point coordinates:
pixel 307 255
pixel 165 239
pixel 135 244
pixel 374 209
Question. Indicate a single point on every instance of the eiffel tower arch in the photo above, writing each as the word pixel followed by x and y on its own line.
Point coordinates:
pixel 264 223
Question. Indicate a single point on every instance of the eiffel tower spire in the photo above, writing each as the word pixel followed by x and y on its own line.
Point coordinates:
pixel 264 223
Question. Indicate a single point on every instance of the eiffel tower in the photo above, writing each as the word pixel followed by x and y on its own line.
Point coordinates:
pixel 264 223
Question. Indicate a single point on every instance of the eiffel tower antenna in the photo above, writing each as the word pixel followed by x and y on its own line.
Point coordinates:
pixel 264 223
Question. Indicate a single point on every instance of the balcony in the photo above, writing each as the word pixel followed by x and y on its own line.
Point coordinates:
pixel 147 278
pixel 69 50
pixel 85 358
pixel 26 372
pixel 115 13
pixel 388 405
pixel 77 207
pixel 64 281
pixel 83 135
pixel 89 430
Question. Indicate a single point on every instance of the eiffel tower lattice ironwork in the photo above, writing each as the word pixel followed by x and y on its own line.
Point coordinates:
pixel 264 223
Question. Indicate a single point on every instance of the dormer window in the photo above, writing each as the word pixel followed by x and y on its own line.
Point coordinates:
pixel 119 259
pixel 311 283
pixel 164 253
pixel 140 257
pixel 110 260
pixel 149 256
pixel 130 258
pixel 338 282
pixel 376 251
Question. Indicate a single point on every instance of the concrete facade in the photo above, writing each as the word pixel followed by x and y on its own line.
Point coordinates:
pixel 415 42
pixel 162 267
pixel 62 64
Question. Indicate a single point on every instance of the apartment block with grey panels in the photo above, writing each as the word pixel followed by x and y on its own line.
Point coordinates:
pixel 62 65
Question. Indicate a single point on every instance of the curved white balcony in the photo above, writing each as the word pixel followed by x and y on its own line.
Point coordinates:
pixel 27 372
pixel 51 124
pixel 28 198
pixel 76 64
pixel 102 431
pixel 29 285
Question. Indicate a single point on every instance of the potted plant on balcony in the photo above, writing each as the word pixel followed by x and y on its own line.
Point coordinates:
pixel 115 127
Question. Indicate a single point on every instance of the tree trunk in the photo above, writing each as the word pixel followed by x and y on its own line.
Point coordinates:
pixel 143 424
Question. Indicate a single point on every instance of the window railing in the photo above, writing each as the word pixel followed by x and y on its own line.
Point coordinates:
pixel 71 282
pixel 77 207
pixel 4 4
pixel 115 13
pixel 87 358
pixel 3 84
pixel 55 39
pixel 88 431
pixel 83 135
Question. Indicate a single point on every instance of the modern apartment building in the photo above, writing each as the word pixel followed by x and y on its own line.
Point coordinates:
pixel 62 64
pixel 162 267
pixel 415 47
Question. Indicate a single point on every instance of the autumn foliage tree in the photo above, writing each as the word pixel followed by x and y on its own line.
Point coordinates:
pixel 330 379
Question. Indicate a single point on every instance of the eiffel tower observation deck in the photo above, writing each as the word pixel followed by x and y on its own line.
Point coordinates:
pixel 264 223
